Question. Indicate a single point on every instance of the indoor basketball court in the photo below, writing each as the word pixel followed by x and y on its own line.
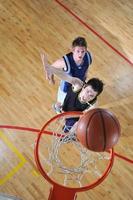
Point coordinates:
pixel 37 160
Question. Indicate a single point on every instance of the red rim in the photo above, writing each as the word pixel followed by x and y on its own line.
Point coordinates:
pixel 44 174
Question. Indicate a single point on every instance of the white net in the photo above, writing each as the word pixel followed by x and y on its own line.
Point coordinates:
pixel 66 160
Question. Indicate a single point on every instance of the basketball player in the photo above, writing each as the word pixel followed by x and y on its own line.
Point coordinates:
pixel 82 100
pixel 75 63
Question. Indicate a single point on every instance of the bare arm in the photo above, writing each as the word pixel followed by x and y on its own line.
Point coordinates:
pixel 95 105
pixel 48 73
pixel 58 71
pixel 63 76
pixel 59 64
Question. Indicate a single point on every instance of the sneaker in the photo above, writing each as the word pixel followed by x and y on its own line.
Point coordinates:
pixel 57 109
pixel 68 138
pixel 66 129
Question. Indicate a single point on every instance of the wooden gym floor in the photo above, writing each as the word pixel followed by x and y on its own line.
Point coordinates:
pixel 26 27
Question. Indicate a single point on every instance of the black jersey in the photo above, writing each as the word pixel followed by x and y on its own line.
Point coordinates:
pixel 72 103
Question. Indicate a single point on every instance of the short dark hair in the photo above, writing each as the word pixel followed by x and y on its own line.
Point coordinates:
pixel 79 41
pixel 96 84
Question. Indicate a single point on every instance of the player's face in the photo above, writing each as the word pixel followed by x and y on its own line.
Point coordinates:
pixel 87 94
pixel 78 53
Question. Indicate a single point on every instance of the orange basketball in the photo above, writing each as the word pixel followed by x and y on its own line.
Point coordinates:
pixel 98 130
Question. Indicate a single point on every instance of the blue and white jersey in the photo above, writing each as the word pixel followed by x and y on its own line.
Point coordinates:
pixel 75 70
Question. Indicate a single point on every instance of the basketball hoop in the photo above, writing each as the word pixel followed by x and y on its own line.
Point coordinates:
pixel 53 146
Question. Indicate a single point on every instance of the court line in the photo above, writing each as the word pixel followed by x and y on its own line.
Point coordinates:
pixel 37 131
pixel 95 32
pixel 15 169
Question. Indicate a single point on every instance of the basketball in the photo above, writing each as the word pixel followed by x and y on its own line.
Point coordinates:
pixel 98 130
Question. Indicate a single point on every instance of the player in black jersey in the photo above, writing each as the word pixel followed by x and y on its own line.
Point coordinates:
pixel 82 100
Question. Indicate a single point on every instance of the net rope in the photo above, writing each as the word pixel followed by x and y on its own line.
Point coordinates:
pixel 89 161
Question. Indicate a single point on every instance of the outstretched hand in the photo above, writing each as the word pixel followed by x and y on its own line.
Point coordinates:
pixel 49 74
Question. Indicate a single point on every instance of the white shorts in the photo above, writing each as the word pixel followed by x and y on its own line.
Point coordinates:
pixel 61 96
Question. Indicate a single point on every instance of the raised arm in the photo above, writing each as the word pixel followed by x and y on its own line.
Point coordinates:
pixel 95 105
pixel 58 71
pixel 48 73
